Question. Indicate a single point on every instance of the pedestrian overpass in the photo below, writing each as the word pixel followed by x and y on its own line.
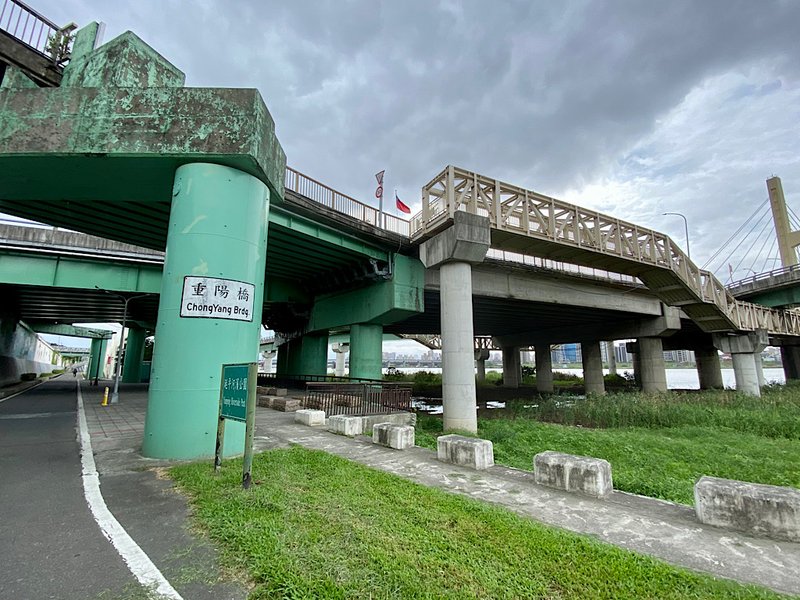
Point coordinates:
pixel 121 150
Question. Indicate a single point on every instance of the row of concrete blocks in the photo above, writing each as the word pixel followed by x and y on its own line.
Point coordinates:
pixel 763 510
pixel 397 435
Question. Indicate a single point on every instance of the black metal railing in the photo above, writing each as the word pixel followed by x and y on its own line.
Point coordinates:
pixel 358 399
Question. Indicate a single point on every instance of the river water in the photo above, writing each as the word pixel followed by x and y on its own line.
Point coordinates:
pixel 681 379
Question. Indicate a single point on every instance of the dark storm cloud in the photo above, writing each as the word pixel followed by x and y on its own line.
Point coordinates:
pixel 551 95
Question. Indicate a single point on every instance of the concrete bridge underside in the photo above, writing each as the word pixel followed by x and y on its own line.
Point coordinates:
pixel 132 155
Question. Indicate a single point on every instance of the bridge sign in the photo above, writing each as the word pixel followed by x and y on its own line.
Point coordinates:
pixel 237 402
pixel 212 298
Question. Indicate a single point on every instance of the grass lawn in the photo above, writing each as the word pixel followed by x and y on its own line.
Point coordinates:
pixel 662 463
pixel 319 526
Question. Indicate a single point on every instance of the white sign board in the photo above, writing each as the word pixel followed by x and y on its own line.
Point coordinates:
pixel 209 298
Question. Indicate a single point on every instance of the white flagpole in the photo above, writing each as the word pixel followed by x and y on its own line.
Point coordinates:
pixel 380 209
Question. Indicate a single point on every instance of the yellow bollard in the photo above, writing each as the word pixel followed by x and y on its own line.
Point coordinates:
pixel 105 398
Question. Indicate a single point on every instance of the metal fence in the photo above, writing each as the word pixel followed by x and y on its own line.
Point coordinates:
pixel 358 399
pixel 28 26
pixel 327 196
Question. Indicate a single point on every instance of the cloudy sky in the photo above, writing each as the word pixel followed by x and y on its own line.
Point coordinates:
pixel 632 108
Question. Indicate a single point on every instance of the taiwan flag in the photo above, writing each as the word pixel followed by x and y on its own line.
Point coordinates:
pixel 400 206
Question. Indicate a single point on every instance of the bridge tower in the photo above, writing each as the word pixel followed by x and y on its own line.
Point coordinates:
pixel 787 239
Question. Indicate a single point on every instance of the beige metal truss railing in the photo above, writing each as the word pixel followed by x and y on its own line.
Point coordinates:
pixel 536 224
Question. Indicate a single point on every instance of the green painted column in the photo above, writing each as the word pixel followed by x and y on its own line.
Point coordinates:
pixel 366 345
pixel 282 366
pixel 313 358
pixel 218 231
pixel 294 349
pixel 94 358
pixel 97 358
pixel 134 351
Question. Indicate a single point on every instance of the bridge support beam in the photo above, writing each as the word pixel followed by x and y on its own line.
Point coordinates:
pixel 612 358
pixel 366 344
pixel 592 368
pixel 340 350
pixel 544 369
pixel 454 251
pixel 268 357
pixel 313 358
pixel 650 363
pixel 289 357
pixel 134 351
pixel 97 358
pixel 745 350
pixel 512 367
pixel 790 357
pixel 217 229
pixel 709 370
pixel 481 356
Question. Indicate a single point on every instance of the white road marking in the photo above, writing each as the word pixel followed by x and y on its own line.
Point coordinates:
pixel 138 562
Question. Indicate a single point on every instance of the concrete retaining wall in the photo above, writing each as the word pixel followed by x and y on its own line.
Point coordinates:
pixel 22 351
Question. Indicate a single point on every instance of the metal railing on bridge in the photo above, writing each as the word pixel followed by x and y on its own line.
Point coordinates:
pixel 327 196
pixel 761 277
pixel 35 30
pixel 587 237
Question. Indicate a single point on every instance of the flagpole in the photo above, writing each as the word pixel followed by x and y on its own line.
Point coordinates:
pixel 380 209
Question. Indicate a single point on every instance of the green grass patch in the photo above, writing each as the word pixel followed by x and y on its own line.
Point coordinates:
pixel 319 526
pixel 775 415
pixel 656 460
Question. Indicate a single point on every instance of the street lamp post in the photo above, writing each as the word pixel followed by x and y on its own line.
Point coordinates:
pixel 685 229
pixel 125 300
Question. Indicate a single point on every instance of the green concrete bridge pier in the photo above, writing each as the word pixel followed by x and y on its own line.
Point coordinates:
pixel 134 352
pixel 215 257
pixel 133 155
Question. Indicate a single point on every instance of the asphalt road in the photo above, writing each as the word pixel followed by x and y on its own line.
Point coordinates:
pixel 50 545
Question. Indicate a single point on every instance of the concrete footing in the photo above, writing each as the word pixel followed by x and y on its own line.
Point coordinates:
pixel 272 391
pixel 308 416
pixel 465 451
pixel 398 437
pixel 284 404
pixel 400 418
pixel 764 510
pixel 582 474
pixel 346 425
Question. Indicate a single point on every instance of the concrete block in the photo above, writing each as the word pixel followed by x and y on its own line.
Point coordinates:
pixel 400 418
pixel 465 451
pixel 276 391
pixel 582 474
pixel 265 401
pixel 398 437
pixel 765 510
pixel 310 417
pixel 285 404
pixel 346 425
